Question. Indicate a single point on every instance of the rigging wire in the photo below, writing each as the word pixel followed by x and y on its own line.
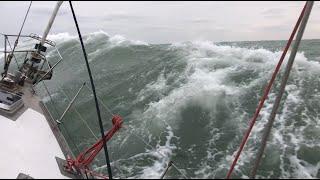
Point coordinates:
pixel 85 122
pixel 154 149
pixel 284 80
pixel 60 129
pixel 93 89
pixel 105 106
pixel 15 59
pixel 65 128
pixel 94 93
pixel 81 117
pixel 265 95
pixel 96 138
pixel 97 106
pixel 146 143
pixel 8 60
pixel 68 134
pixel 25 18
pixel 52 102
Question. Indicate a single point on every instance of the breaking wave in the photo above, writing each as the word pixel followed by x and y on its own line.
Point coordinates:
pixel 191 102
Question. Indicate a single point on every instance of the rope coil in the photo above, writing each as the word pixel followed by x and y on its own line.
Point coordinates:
pixel 82 161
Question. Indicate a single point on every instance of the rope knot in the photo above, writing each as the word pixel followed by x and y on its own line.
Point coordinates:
pixel 117 121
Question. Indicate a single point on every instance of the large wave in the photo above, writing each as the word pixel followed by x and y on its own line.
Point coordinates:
pixel 192 102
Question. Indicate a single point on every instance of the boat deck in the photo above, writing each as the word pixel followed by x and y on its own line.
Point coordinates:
pixel 28 145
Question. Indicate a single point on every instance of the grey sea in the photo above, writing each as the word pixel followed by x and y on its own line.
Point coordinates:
pixel 187 102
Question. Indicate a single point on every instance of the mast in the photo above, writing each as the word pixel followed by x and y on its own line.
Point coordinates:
pixel 37 57
pixel 53 16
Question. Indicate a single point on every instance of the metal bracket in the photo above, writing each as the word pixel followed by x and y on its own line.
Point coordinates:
pixel 61 163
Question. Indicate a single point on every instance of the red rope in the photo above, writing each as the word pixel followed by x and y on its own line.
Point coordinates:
pixel 84 159
pixel 265 95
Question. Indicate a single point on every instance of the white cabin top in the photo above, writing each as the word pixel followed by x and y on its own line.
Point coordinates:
pixel 28 146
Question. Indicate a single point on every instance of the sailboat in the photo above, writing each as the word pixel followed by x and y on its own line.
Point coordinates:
pixel 33 145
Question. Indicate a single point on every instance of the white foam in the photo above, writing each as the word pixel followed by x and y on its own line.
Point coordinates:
pixel 159 86
pixel 99 33
pixel 163 154
pixel 116 40
pixel 119 40
pixel 203 79
pixel 2 54
pixel 61 37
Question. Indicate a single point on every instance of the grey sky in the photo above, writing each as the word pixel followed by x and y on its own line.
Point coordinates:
pixel 163 22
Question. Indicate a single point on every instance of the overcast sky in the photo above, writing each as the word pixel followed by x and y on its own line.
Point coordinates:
pixel 166 22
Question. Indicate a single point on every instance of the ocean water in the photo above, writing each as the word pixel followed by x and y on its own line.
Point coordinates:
pixel 191 102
